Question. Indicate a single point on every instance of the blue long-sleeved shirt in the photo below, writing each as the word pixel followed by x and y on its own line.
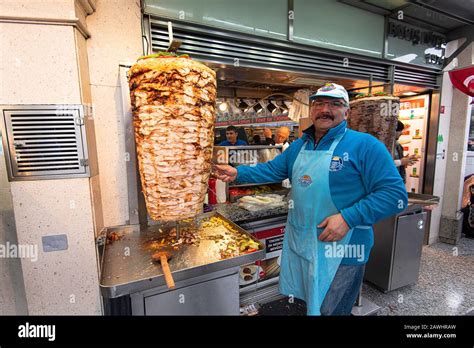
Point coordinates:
pixel 365 189
pixel 228 143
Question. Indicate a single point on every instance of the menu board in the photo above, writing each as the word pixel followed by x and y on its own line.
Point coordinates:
pixel 414 114
pixel 227 119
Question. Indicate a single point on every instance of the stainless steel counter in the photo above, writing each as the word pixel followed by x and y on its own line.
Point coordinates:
pixel 396 255
pixel 126 265
pixel 239 215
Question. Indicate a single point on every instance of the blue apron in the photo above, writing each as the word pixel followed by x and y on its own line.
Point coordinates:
pixel 306 271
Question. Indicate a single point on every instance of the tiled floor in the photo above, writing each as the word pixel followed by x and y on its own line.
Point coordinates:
pixel 445 285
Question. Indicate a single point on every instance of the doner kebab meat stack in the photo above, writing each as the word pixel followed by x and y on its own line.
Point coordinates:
pixel 376 115
pixel 173 105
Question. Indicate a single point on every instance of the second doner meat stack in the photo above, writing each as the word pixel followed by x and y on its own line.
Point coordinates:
pixel 173 104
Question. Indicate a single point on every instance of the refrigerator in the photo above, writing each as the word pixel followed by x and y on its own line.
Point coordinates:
pixel 414 113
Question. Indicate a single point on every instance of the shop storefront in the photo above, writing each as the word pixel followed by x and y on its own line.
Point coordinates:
pixel 268 56
pixel 259 68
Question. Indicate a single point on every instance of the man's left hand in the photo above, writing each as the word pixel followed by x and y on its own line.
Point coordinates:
pixel 335 228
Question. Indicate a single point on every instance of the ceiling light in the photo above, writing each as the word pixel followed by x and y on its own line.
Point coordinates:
pixel 283 107
pixel 258 108
pixel 243 105
pixel 409 93
pixel 271 107
pixel 223 106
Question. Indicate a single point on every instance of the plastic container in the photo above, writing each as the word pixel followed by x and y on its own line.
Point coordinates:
pixel 221 191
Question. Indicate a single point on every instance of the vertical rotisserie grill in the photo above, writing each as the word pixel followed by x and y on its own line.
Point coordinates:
pixel 173 104
pixel 377 116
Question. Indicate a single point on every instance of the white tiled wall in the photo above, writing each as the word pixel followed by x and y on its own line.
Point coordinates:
pixel 12 291
pixel 40 64
pixel 440 170
pixel 459 135
pixel 30 53
pixel 116 37
pixel 52 9
pixel 59 282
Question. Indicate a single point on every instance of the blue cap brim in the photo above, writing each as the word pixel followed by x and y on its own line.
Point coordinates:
pixel 314 96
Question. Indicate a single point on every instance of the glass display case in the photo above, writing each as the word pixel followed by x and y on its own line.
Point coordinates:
pixel 251 156
pixel 259 280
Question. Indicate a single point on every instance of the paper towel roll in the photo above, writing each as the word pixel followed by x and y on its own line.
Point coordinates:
pixel 221 191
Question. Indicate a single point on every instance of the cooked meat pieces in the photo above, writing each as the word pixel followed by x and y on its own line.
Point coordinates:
pixel 376 116
pixel 173 104
pixel 112 237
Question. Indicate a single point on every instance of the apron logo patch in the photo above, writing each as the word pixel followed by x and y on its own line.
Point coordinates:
pixel 336 164
pixel 305 180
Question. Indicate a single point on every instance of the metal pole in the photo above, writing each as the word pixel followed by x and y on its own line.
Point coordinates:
pixel 370 83
pixel 391 75
pixel 359 297
pixel 385 37
pixel 290 15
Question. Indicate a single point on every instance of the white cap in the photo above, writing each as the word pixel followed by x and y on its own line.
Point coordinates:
pixel 331 90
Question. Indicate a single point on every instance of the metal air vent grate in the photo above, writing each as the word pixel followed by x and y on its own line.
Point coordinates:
pixel 220 46
pixel 44 141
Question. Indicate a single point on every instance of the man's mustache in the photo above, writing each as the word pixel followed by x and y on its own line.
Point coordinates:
pixel 325 115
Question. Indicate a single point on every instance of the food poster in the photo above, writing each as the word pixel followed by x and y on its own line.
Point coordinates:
pixel 269 267
pixel 259 271
pixel 414 114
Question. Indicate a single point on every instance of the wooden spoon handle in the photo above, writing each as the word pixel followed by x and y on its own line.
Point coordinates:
pixel 166 271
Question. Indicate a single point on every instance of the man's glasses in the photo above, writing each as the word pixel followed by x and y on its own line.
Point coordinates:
pixel 331 104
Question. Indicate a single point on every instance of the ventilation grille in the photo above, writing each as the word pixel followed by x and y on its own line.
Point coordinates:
pixel 226 47
pixel 45 142
pixel 213 48
pixel 410 76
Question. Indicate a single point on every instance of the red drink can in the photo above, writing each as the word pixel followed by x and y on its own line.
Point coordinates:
pixel 211 191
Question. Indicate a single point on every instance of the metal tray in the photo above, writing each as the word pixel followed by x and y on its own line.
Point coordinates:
pixel 126 265
pixel 422 199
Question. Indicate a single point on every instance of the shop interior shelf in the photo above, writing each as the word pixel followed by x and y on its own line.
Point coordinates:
pixel 255 184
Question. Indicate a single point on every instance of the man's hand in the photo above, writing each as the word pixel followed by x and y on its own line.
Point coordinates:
pixel 409 160
pixel 335 228
pixel 224 172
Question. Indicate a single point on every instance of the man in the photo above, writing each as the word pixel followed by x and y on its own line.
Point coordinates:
pixel 402 161
pixel 267 132
pixel 343 182
pixel 231 134
pixel 281 137
pixel 256 140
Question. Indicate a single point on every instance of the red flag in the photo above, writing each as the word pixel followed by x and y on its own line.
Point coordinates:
pixel 463 79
